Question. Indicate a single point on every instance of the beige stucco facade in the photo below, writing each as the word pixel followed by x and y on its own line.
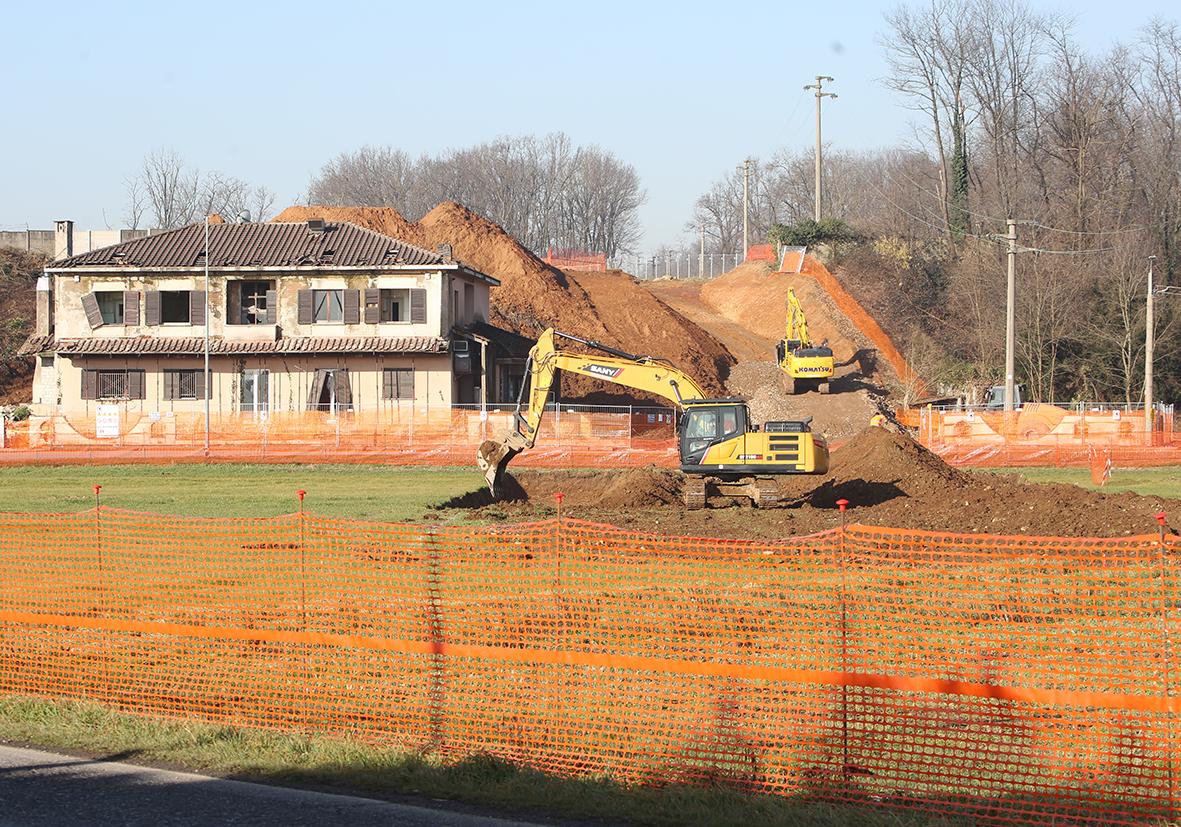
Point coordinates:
pixel 454 297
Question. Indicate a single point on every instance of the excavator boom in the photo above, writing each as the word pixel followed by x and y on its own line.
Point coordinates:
pixel 642 373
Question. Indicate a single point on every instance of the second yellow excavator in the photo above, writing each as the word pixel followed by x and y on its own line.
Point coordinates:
pixel 805 366
pixel 722 453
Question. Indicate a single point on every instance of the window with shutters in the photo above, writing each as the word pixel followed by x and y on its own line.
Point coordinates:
pixel 395 305
pixel 183 384
pixel 110 304
pixel 328 305
pixel 398 383
pixel 174 306
pixel 248 302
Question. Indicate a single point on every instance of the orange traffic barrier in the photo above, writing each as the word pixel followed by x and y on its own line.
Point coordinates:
pixel 1002 679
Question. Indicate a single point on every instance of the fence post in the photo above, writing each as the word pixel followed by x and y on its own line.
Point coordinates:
pixel 435 630
pixel 558 497
pixel 303 597
pixel 842 504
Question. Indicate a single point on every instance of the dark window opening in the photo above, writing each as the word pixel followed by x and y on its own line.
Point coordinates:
pixel 174 306
pixel 328 305
pixel 110 304
pixel 395 305
pixel 248 302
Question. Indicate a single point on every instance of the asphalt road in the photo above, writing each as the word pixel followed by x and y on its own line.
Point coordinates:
pixel 41 788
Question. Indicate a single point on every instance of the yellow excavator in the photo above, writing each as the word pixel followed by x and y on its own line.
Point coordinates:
pixel 722 453
pixel 804 366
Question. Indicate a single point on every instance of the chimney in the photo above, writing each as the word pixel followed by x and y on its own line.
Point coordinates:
pixel 63 238
pixel 444 250
pixel 44 323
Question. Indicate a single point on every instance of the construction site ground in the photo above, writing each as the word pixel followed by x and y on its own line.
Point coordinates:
pixel 887 478
pixel 745 310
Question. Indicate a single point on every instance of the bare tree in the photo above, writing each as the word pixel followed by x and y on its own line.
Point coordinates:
pixel 136 202
pixel 177 196
pixel 172 191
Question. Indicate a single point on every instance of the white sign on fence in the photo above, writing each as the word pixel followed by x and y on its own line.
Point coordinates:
pixel 106 421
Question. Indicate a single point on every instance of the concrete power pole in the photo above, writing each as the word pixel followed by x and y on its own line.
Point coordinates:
pixel 1011 316
pixel 820 95
pixel 745 208
pixel 701 254
pixel 1149 345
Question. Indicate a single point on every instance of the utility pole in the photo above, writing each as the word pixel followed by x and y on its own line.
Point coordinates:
pixel 1010 316
pixel 701 254
pixel 745 203
pixel 820 95
pixel 1149 345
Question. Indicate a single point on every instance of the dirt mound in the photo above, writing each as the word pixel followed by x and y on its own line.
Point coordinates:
pixel 606 307
pixel 887 478
pixel 630 488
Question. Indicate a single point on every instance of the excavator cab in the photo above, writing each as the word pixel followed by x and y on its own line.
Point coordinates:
pixel 710 422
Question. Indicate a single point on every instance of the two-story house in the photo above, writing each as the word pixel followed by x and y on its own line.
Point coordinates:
pixel 294 317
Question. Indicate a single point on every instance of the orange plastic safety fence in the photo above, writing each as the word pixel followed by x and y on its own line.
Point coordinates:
pixel 865 323
pixel 760 252
pixel 1007 679
pixel 565 259
pixel 435 437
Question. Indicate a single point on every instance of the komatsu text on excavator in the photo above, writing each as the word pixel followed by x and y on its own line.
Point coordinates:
pixel 723 454
pixel 805 366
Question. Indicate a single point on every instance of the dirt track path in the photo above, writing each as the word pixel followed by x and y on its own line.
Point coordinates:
pixel 685 298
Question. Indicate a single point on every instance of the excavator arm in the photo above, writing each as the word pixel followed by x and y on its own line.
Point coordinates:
pixel 642 373
pixel 797 322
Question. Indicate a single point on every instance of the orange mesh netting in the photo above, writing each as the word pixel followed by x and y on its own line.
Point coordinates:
pixel 565 259
pixel 1007 679
pixel 398 437
pixel 760 252
pixel 1040 434
pixel 865 323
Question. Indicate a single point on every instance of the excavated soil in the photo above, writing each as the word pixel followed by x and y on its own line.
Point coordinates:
pixel 607 307
pixel 887 478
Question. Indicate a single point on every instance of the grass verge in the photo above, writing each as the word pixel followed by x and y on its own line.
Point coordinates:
pixel 1164 481
pixel 367 492
pixel 342 765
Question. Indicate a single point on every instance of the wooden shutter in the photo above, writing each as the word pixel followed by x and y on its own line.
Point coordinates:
pixel 418 306
pixel 317 389
pixel 151 307
pixel 135 384
pixel 272 316
pixel 171 385
pixel 387 384
pixel 199 383
pixel 305 307
pixel 352 306
pixel 233 302
pixel 90 384
pixel 131 307
pixel 343 390
pixel 372 305
pixel 93 315
pixel 406 383
pixel 197 307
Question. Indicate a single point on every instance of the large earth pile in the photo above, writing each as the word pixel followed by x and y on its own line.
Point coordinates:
pixel 607 307
pixel 887 478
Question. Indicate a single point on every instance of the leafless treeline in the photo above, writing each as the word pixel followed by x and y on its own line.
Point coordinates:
pixel 165 193
pixel 544 191
pixel 1013 119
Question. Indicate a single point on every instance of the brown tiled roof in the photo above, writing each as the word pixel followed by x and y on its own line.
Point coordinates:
pixel 195 346
pixel 504 342
pixel 34 345
pixel 258 245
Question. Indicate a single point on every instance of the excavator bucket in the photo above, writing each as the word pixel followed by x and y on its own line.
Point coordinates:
pixel 492 458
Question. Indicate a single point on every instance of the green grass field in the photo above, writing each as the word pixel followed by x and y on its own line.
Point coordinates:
pixel 369 492
pixel 1151 482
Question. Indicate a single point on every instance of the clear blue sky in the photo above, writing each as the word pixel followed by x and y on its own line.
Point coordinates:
pixel 268 92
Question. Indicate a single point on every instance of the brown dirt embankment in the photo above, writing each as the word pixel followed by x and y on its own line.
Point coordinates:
pixel 888 479
pixel 607 307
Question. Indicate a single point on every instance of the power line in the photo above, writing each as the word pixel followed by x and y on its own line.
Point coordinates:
pixel 1032 223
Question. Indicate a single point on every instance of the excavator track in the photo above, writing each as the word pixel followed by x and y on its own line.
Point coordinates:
pixel 766 491
pixel 693 493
